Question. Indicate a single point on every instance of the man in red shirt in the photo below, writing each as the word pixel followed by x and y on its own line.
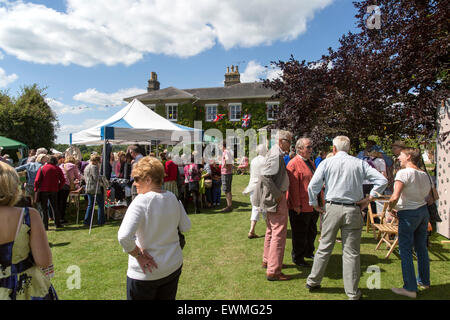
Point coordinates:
pixel 302 216
pixel 170 175
pixel 49 180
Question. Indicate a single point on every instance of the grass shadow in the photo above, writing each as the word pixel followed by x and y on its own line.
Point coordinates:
pixel 62 244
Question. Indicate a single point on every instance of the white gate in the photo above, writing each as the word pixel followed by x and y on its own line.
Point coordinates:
pixel 443 168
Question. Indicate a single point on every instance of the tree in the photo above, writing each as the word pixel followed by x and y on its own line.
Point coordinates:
pixel 29 118
pixel 386 82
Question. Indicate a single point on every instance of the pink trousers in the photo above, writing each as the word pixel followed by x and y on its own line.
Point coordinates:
pixel 275 240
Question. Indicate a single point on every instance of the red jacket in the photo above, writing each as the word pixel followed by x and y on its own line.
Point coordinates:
pixel 171 169
pixel 52 179
pixel 299 177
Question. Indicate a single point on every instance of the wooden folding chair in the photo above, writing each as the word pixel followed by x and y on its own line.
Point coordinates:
pixel 74 197
pixel 370 221
pixel 387 229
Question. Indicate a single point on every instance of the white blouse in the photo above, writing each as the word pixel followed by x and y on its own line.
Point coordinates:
pixel 151 222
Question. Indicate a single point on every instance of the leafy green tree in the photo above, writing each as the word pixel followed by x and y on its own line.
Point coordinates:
pixel 28 119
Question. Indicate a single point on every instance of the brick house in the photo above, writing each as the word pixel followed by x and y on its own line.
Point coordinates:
pixel 234 99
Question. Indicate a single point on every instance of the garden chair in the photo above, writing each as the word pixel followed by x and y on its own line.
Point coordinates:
pixel 370 221
pixel 388 232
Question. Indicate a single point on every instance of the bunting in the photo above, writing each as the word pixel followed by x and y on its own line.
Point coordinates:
pixel 219 117
pixel 246 120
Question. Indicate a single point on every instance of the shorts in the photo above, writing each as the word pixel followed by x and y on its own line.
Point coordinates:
pixel 226 182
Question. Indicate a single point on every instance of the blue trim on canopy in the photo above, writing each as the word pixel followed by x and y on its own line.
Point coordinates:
pixel 183 127
pixel 107 133
pixel 119 124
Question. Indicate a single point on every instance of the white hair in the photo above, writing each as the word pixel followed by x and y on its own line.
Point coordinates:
pixel 301 143
pixel 41 151
pixel 261 150
pixel 283 134
pixel 342 143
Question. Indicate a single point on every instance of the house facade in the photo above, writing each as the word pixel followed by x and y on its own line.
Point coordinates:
pixel 234 100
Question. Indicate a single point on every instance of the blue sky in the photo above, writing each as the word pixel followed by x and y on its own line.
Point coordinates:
pixel 92 54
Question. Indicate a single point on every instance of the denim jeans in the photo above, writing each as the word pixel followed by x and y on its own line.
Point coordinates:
pixel 412 232
pixel 101 209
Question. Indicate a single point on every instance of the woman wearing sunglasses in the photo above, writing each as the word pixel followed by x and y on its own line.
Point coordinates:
pixel 149 234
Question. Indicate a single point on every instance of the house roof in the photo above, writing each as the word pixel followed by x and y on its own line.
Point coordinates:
pixel 237 91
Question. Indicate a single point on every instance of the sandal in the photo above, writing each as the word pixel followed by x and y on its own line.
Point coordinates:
pixel 252 235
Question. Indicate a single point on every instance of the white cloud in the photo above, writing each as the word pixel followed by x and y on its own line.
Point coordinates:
pixel 255 72
pixel 5 79
pixel 107 99
pixel 123 31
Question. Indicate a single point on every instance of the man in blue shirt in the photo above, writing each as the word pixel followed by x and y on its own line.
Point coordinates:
pixel 343 176
pixel 32 169
pixel 322 156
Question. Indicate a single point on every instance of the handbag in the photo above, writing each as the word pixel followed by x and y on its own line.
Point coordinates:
pixel 208 183
pixel 182 239
pixel 432 208
pixel 181 235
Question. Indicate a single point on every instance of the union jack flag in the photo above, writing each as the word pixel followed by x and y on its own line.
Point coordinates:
pixel 246 120
pixel 219 117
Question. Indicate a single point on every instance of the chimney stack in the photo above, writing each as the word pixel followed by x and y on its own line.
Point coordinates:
pixel 153 83
pixel 233 77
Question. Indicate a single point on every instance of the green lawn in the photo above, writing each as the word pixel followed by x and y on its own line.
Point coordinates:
pixel 221 263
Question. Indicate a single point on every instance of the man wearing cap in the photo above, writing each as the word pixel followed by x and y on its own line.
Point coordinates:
pixel 342 175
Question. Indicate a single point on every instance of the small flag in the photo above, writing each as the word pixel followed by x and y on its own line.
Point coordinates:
pixel 219 117
pixel 246 120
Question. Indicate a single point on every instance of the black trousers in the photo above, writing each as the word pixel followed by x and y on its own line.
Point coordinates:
pixel 366 190
pixel 63 194
pixel 53 197
pixel 161 289
pixel 304 232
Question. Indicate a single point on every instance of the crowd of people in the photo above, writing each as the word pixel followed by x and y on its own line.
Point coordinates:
pixel 338 187
pixel 285 186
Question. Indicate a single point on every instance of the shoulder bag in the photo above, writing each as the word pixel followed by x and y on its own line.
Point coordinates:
pixel 432 208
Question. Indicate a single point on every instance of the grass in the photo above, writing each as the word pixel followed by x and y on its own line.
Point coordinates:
pixel 221 263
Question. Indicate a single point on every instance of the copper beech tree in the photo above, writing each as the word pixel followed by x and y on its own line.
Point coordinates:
pixel 387 80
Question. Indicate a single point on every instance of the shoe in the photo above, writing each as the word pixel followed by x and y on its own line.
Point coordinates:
pixel 227 209
pixel 252 235
pixel 279 277
pixel 310 256
pixel 302 263
pixel 59 226
pixel 312 288
pixel 404 292
pixel 422 286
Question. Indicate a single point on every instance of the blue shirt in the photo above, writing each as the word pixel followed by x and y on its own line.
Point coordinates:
pixel 318 161
pixel 343 176
pixel 386 158
pixel 287 158
pixel 32 169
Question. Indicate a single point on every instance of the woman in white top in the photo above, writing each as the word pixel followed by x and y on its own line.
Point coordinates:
pixel 149 234
pixel 412 190
pixel 255 170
